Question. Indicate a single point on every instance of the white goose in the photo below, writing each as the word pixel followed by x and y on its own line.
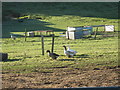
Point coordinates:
pixel 71 50
pixel 68 52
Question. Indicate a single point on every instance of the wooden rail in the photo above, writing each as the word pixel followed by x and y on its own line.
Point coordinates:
pixel 46 31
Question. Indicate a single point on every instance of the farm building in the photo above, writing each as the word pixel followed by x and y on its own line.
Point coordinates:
pixel 78 32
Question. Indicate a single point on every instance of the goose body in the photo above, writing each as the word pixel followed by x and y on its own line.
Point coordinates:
pixel 52 55
pixel 72 50
pixel 68 52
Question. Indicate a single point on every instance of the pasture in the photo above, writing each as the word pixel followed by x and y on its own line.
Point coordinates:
pixel 96 63
pixel 26 61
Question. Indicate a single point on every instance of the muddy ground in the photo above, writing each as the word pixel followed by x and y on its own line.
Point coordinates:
pixel 62 78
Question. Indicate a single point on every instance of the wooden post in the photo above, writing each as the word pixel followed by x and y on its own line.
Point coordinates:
pixel 104 29
pixel 42 42
pixel 68 34
pixel 52 50
pixel 96 33
pixel 25 34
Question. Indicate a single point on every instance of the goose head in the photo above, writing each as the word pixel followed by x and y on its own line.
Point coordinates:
pixel 48 51
pixel 65 47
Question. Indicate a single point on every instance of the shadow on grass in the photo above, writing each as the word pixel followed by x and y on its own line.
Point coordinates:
pixel 32 40
pixel 67 59
pixel 11 60
pixel 82 56
pixel 74 58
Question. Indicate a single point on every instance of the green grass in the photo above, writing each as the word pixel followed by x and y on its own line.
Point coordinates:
pixel 56 23
pixel 25 57
pixel 57 16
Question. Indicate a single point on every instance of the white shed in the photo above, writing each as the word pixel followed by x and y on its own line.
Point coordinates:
pixel 78 32
pixel 109 28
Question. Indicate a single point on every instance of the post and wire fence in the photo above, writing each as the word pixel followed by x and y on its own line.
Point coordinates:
pixel 42 43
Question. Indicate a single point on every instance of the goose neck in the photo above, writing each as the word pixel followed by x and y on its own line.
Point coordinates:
pixel 65 48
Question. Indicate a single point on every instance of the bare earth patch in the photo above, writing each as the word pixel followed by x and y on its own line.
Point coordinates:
pixel 62 78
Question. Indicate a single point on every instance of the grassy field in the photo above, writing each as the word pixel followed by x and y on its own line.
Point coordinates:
pixel 95 65
pixel 26 56
pixel 57 16
pixel 93 54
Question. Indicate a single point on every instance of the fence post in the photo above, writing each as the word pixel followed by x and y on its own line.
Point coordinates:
pixel 52 50
pixel 96 33
pixel 42 41
pixel 25 34
pixel 67 32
